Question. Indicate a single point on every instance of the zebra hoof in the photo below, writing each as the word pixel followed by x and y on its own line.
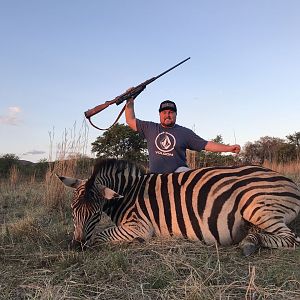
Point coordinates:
pixel 248 248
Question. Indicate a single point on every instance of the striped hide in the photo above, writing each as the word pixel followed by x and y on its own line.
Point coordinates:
pixel 249 205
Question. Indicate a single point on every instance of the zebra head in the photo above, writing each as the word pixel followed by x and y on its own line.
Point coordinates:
pixel 87 205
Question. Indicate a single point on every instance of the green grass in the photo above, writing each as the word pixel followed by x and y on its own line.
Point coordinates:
pixel 36 262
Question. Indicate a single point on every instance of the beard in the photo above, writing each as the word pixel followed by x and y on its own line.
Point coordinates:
pixel 168 124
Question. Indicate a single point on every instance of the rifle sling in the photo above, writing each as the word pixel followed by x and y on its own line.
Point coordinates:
pixel 115 122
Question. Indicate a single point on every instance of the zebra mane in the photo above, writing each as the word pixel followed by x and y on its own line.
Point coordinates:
pixel 119 164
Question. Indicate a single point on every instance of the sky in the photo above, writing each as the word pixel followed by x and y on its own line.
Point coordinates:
pixel 59 58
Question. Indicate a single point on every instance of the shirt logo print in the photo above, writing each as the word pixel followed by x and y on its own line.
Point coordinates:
pixel 165 142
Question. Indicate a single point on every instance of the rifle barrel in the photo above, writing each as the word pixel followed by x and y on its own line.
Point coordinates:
pixel 163 73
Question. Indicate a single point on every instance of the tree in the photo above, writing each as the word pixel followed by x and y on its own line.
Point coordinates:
pixel 6 162
pixel 205 159
pixel 269 148
pixel 121 142
pixel 294 139
pixel 41 167
pixel 212 158
pixel 252 153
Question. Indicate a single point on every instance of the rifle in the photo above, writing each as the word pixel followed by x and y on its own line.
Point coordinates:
pixel 132 93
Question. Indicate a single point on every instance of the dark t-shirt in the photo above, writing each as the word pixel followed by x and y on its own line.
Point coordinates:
pixel 167 146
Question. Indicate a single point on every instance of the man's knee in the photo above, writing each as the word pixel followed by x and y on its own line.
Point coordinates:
pixel 182 169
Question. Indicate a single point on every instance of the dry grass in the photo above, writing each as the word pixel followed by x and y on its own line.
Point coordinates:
pixel 14 175
pixel 36 262
pixel 191 159
pixel 291 169
pixel 69 150
pixel 38 265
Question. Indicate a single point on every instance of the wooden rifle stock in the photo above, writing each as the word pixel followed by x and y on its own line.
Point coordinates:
pixel 133 93
pixel 93 111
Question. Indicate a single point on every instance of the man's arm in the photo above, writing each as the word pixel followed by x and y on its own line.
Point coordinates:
pixel 216 147
pixel 130 115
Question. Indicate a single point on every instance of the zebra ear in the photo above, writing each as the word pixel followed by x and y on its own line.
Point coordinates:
pixel 70 181
pixel 110 194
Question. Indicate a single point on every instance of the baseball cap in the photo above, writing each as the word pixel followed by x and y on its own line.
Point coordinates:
pixel 168 104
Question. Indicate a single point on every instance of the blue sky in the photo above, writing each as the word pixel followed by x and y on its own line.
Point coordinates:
pixel 60 58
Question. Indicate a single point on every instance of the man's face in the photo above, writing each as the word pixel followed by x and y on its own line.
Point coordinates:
pixel 167 118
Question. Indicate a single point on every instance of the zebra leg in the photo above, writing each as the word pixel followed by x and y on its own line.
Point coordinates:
pixel 278 235
pixel 124 233
pixel 250 243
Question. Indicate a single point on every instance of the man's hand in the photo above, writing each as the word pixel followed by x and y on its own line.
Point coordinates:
pixel 235 149
pixel 129 112
pixel 216 147
pixel 131 99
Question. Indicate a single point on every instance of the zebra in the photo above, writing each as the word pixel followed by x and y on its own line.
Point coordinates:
pixel 246 205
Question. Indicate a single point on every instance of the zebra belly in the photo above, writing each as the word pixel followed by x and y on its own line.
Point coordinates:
pixel 210 232
pixel 218 232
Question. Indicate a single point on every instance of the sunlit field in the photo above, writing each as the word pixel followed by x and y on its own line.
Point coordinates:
pixel 37 263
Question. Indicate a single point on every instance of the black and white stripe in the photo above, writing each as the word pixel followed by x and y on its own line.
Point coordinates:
pixel 214 204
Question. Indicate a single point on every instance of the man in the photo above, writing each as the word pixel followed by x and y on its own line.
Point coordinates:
pixel 167 142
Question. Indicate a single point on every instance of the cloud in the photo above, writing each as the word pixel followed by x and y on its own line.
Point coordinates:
pixel 11 117
pixel 14 109
pixel 34 152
